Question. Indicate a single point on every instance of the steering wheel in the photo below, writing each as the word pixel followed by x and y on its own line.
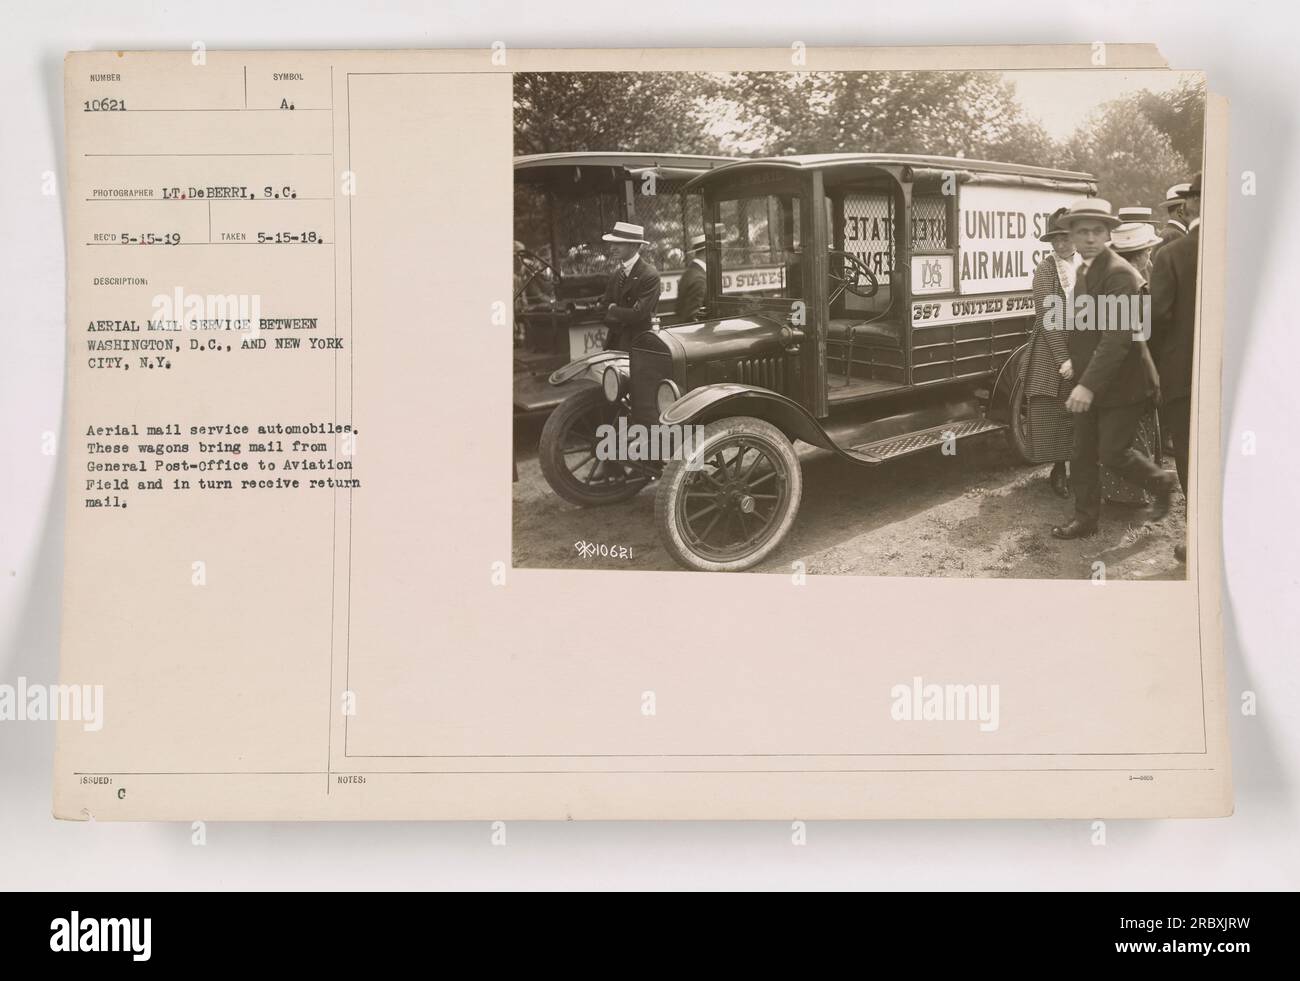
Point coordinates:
pixel 532 261
pixel 853 276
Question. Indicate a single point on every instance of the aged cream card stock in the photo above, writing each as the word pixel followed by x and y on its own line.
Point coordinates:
pixel 302 582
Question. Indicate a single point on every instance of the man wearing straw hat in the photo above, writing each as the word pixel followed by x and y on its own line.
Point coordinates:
pixel 1135 214
pixel 690 288
pixel 633 290
pixel 1173 331
pixel 1111 389
pixel 1134 241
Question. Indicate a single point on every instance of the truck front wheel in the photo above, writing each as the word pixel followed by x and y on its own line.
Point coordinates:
pixel 728 505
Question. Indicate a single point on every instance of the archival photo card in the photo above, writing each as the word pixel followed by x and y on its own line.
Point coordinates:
pixel 861 428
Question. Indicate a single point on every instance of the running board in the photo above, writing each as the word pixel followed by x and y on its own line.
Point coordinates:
pixel 886 449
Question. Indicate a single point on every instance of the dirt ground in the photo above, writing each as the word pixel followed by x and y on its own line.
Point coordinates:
pixel 979 513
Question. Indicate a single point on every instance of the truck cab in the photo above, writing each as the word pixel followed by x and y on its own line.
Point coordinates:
pixel 563 203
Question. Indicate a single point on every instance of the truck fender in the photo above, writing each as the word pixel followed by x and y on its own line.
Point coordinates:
pixel 592 366
pixel 703 405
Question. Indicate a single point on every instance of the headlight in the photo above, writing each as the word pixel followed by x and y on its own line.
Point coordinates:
pixel 666 394
pixel 612 384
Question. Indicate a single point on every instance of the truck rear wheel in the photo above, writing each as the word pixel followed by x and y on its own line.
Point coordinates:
pixel 1018 422
pixel 729 505
pixel 567 453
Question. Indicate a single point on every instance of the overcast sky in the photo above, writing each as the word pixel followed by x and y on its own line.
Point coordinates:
pixel 1061 100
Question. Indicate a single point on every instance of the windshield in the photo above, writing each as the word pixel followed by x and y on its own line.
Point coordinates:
pixel 761 246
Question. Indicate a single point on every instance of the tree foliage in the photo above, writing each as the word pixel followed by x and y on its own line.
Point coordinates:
pixel 1133 159
pixel 965 114
pixel 1136 145
pixel 658 112
pixel 1180 115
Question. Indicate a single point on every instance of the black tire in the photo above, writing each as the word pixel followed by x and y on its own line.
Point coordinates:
pixel 567 453
pixel 1154 434
pixel 1018 422
pixel 753 496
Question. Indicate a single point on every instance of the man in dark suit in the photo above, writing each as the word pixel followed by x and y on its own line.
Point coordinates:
pixel 633 289
pixel 1173 328
pixel 690 288
pixel 1112 388
pixel 1175 208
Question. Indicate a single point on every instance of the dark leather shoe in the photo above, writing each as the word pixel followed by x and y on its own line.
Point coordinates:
pixel 1180 553
pixel 1060 482
pixel 1161 497
pixel 1077 528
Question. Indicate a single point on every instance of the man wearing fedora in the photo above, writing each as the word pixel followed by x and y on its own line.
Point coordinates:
pixel 1176 225
pixel 1112 388
pixel 1173 331
pixel 632 291
pixel 690 288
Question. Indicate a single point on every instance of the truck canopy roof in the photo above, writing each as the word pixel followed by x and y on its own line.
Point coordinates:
pixel 837 161
pixel 536 165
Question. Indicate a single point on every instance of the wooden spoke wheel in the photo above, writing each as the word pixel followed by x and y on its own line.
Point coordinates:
pixel 728 506
pixel 567 453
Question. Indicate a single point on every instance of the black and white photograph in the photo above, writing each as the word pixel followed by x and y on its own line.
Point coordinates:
pixel 856 323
